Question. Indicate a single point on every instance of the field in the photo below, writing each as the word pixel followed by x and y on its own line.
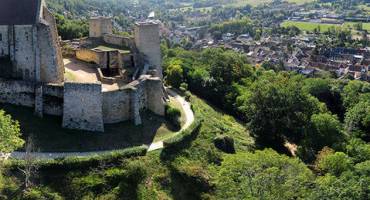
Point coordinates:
pixel 310 26
pixel 236 3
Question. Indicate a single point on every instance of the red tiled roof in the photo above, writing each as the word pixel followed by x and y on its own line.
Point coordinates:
pixel 18 12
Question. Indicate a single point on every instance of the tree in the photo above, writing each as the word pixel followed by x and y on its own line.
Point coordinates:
pixel 262 175
pixel 9 134
pixel 174 73
pixel 357 120
pixel 358 150
pixel 9 137
pixel 325 130
pixel 327 91
pixel 354 91
pixel 29 169
pixel 278 109
pixel 335 163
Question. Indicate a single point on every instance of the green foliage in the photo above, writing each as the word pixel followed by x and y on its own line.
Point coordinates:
pixel 173 115
pixel 174 73
pixel 238 27
pixel 224 143
pixel 135 173
pixel 335 164
pixel 327 91
pixel 357 119
pixel 40 193
pixel 354 92
pixel 9 133
pixel 277 108
pixel 263 174
pixel 183 136
pixel 325 130
pixel 70 29
pixel 71 163
pixel 358 150
pixel 212 73
pixel 348 186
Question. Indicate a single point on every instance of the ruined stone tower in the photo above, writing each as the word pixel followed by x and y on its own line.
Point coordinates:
pixel 100 26
pixel 147 40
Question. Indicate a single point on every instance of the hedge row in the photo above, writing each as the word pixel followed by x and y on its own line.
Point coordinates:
pixel 183 136
pixel 70 163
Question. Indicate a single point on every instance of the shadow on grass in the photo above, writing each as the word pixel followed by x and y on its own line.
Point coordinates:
pixel 169 153
pixel 49 136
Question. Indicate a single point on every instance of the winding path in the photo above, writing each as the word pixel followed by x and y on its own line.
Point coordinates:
pixel 189 116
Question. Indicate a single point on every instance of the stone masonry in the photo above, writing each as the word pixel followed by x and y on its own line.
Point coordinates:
pixel 82 107
pixel 32 69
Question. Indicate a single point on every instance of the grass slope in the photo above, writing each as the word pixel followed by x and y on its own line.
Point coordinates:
pixel 181 173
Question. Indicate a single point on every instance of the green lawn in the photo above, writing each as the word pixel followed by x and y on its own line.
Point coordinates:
pixel 50 136
pixel 176 174
pixel 162 132
pixel 237 3
pixel 310 26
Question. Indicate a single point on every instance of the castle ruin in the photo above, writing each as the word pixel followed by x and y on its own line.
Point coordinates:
pixel 109 80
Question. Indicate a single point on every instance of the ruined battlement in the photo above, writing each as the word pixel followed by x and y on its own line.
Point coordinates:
pixel 110 81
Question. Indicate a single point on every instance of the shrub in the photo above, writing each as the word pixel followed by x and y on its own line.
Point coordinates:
pixel 224 143
pixel 187 95
pixel 183 87
pixel 10 133
pixel 173 116
pixel 184 136
pixel 81 163
pixel 39 193
pixel 335 163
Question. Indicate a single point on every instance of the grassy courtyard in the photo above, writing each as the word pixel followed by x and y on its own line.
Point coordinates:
pixel 49 136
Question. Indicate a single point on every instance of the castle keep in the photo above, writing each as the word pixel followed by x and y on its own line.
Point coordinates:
pixel 110 78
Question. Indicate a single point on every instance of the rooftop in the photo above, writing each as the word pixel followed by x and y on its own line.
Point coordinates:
pixel 105 48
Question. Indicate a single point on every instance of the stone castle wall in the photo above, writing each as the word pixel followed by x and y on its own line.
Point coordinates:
pixel 119 40
pixel 90 56
pixel 22 45
pixel 53 95
pixel 82 107
pixel 17 92
pixel 155 96
pixel 51 60
pixel 22 93
pixel 85 106
pixel 116 106
pixel 147 41
pixel 100 26
pixel 4 45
